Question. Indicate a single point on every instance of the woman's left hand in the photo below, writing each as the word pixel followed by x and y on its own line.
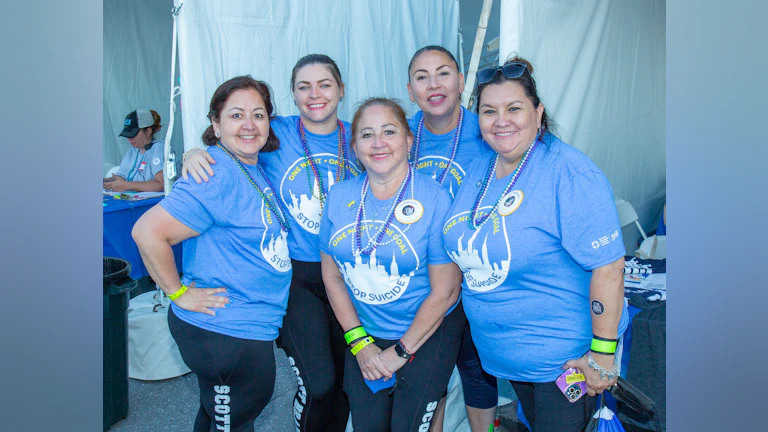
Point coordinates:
pixel 116 183
pixel 595 384
pixel 391 360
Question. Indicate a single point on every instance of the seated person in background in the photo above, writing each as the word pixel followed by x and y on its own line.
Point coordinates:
pixel 142 167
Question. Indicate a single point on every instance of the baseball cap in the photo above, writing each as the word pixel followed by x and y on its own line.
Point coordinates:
pixel 136 120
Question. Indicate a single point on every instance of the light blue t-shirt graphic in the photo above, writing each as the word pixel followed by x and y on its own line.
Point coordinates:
pixel 527 270
pixel 287 169
pixel 240 247
pixel 435 150
pixel 388 286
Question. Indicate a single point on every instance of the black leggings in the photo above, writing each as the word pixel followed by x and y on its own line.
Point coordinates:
pixel 547 409
pixel 419 387
pixel 236 376
pixel 480 387
pixel 314 343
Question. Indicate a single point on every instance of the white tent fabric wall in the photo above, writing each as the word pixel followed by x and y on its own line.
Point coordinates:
pixel 371 41
pixel 137 69
pixel 600 67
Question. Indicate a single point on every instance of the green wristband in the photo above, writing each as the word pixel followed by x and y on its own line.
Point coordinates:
pixel 603 346
pixel 355 333
pixel 362 344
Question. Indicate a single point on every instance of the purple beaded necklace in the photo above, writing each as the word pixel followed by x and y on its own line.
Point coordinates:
pixel 477 222
pixel 375 240
pixel 277 209
pixel 454 148
pixel 341 171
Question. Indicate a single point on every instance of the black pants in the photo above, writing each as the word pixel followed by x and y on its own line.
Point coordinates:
pixel 420 383
pixel 479 387
pixel 548 410
pixel 236 376
pixel 314 343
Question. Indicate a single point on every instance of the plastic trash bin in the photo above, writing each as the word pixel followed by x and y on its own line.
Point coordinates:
pixel 117 285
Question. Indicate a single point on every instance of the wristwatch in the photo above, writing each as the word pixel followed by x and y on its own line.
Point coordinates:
pixel 402 352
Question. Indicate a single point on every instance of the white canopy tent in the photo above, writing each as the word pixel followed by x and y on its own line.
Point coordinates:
pixel 599 65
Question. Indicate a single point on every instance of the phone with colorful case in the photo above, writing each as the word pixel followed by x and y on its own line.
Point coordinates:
pixel 573 384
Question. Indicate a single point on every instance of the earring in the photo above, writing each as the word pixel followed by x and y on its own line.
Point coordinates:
pixel 217 135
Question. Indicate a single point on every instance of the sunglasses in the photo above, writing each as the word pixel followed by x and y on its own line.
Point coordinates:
pixel 509 70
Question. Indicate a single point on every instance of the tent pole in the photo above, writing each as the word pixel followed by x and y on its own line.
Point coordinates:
pixel 169 173
pixel 475 59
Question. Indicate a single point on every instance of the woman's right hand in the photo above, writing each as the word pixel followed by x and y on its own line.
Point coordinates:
pixel 370 363
pixel 201 299
pixel 197 162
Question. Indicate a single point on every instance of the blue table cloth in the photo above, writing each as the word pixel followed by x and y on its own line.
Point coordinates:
pixel 119 218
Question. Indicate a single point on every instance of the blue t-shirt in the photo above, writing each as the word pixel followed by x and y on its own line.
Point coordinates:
pixel 527 274
pixel 288 170
pixel 240 248
pixel 388 286
pixel 435 150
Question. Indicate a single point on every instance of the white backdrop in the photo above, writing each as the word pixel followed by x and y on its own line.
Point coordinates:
pixel 372 41
pixel 600 68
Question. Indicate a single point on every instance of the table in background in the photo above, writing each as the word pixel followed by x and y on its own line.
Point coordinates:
pixel 119 218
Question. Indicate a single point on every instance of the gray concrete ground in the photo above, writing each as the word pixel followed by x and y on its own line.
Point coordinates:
pixel 171 405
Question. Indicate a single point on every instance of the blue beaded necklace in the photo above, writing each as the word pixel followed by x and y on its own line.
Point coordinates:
pixel 277 209
pixel 375 240
pixel 454 148
pixel 477 222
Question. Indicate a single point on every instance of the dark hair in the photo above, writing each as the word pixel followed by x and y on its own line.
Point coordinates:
pixel 392 104
pixel 156 126
pixel 220 97
pixel 529 87
pixel 320 59
pixel 427 48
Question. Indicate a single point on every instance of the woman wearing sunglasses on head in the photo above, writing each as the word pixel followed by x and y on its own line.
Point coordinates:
pixel 392 286
pixel 447 140
pixel 314 156
pixel 535 231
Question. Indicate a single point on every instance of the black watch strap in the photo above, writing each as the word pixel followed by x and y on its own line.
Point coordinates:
pixel 401 352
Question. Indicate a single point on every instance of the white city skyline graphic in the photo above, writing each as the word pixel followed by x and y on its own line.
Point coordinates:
pixel 481 273
pixel 378 281
pixel 275 249
pixel 305 208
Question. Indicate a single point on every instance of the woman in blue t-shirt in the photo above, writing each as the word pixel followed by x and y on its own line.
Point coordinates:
pixel 313 157
pixel 390 283
pixel 234 232
pixel 535 231
pixel 446 142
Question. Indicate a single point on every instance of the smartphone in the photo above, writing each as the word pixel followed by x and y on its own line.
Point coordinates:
pixel 572 383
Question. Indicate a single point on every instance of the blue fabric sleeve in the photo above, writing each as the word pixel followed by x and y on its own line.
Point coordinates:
pixel 588 221
pixel 197 206
pixel 436 253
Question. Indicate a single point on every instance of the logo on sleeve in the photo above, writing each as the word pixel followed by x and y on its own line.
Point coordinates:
pixel 604 240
